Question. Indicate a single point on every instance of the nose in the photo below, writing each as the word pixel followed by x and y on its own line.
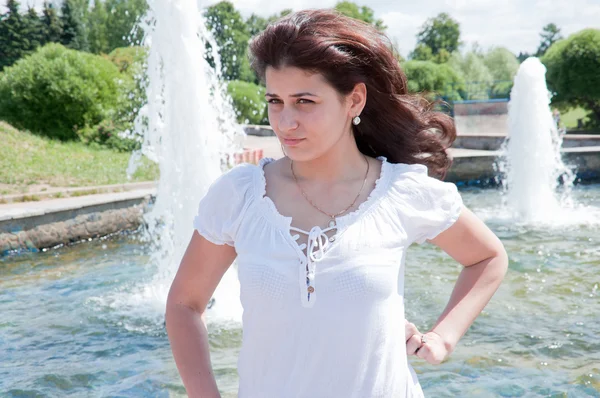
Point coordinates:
pixel 287 120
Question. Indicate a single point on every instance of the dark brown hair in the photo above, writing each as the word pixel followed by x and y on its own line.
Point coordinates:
pixel 400 126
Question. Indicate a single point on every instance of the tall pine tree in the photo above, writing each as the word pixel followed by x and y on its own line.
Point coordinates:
pixel 97 22
pixel 13 40
pixel 74 34
pixel 33 29
pixel 51 25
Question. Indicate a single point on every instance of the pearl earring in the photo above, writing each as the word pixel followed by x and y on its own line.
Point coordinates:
pixel 356 121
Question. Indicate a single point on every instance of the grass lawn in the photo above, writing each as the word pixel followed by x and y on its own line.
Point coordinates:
pixel 28 160
pixel 570 118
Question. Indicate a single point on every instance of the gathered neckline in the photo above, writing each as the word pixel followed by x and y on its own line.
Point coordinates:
pixel 343 220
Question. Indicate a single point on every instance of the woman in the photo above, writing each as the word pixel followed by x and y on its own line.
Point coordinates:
pixel 321 234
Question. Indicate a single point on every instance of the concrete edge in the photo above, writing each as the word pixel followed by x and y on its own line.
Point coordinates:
pixel 60 192
pixel 10 212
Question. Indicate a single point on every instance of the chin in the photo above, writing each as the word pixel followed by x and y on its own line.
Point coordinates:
pixel 301 155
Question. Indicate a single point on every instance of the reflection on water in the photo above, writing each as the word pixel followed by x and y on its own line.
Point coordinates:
pixel 64 332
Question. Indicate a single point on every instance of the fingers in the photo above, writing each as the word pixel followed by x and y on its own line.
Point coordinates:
pixel 409 330
pixel 413 344
pixel 424 352
pixel 413 338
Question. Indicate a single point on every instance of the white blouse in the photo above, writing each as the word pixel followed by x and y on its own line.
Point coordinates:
pixel 329 323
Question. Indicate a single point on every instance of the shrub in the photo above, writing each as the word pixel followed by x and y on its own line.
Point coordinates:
pixel 56 91
pixel 108 133
pixel 131 62
pixel 128 59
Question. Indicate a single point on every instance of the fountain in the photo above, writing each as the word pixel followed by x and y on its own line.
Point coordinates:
pixel 533 151
pixel 537 183
pixel 188 127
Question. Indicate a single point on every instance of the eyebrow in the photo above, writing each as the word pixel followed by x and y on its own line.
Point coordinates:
pixel 304 94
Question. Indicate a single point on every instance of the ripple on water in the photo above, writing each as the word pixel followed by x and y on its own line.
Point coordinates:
pixel 67 308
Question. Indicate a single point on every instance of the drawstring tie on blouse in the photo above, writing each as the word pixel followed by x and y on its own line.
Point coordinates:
pixel 318 242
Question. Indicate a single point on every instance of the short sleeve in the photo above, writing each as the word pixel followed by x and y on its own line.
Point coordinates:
pixel 222 208
pixel 427 205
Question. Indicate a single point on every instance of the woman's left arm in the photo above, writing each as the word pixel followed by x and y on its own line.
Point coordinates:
pixel 470 242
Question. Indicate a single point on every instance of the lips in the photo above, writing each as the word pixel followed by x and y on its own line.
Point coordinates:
pixel 292 141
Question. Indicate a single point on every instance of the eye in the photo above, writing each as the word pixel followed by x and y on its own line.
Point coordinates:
pixel 273 101
pixel 305 101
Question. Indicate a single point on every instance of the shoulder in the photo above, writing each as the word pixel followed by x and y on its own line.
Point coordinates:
pixel 239 178
pixel 415 177
pixel 233 188
pixel 240 173
pixel 426 206
pixel 412 186
pixel 222 209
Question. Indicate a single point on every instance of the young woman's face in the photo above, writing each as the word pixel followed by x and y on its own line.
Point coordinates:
pixel 306 113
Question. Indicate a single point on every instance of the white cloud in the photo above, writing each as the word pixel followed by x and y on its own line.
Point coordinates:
pixel 402 29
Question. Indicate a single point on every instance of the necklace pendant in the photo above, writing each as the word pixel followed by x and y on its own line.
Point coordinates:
pixel 332 223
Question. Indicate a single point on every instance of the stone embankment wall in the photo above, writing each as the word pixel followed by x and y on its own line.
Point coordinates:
pixel 34 232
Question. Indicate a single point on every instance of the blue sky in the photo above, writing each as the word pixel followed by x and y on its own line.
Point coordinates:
pixel 514 24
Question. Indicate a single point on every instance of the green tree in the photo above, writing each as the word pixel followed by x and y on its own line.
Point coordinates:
pixel 363 13
pixel 503 66
pixel 550 34
pixel 440 33
pixel 121 27
pixel 424 53
pixel 33 29
pixel 256 24
pixel 478 79
pixel 248 101
pixel 433 80
pixel 14 42
pixel 572 72
pixel 523 56
pixel 502 63
pixel 97 22
pixel 231 34
pixel 131 62
pixel 51 25
pixel 74 34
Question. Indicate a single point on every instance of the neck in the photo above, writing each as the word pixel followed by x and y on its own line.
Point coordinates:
pixel 341 163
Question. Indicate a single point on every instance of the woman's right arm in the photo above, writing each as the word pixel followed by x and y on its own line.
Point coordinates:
pixel 201 268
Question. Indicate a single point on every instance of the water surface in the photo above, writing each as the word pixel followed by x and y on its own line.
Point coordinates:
pixel 74 322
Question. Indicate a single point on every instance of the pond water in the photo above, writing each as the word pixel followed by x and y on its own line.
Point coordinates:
pixel 67 329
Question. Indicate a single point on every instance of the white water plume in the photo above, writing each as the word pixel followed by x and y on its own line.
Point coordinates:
pixel 188 128
pixel 532 160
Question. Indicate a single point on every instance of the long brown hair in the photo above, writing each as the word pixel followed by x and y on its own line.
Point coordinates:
pixel 400 126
